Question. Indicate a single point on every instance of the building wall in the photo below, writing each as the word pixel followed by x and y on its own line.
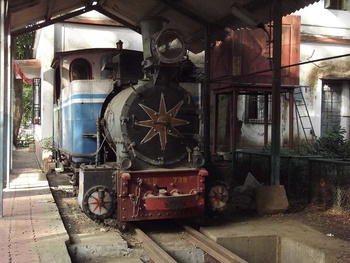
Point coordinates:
pixel 44 51
pixel 70 36
pixel 242 62
pixel 252 135
pixel 324 33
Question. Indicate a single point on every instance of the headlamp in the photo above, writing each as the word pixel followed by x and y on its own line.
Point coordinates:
pixel 168 46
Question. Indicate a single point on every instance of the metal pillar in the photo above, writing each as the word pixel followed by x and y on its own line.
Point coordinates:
pixel 276 93
pixel 8 116
pixel 234 126
pixel 215 132
pixel 206 96
pixel 291 121
pixel 3 13
pixel 266 118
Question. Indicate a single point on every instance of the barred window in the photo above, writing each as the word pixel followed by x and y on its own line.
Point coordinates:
pixel 254 108
pixel 337 4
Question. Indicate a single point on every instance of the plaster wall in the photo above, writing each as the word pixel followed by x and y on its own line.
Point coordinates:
pixel 312 75
pixel 70 36
pixel 332 26
pixel 317 20
pixel 324 34
pixel 253 134
pixel 45 51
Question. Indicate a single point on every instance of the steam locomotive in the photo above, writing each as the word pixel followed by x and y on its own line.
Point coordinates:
pixel 130 130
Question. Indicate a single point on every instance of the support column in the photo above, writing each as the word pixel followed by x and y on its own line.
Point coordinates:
pixel 234 133
pixel 234 128
pixel 8 102
pixel 3 13
pixel 291 119
pixel 276 93
pixel 206 96
pixel 266 118
pixel 215 132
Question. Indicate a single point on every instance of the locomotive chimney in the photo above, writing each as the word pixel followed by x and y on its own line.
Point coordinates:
pixel 162 50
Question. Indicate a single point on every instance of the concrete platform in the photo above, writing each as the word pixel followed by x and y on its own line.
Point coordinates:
pixel 267 239
pixel 107 247
pixel 31 229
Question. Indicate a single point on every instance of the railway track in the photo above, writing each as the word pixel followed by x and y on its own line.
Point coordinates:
pixel 155 243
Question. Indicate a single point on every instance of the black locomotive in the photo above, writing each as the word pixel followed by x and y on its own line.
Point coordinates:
pixel 130 130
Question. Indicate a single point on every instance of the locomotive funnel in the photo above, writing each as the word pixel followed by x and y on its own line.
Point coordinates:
pixel 149 27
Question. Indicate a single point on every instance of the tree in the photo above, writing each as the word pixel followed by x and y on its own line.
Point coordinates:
pixel 23 50
pixel 27 103
pixel 17 108
pixel 24 46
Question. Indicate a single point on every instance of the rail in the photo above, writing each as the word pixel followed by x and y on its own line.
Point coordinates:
pixel 216 251
pixel 156 253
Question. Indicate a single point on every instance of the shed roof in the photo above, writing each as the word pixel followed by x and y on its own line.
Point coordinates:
pixel 188 16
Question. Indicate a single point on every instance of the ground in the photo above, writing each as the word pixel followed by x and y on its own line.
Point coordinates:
pixel 332 222
pixel 75 221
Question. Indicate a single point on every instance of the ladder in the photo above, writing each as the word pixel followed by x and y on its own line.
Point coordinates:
pixel 303 115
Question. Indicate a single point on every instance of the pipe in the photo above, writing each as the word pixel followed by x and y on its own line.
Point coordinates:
pixel 206 96
pixel 98 140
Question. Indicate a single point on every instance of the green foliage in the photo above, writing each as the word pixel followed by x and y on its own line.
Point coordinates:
pixel 24 50
pixel 24 45
pixel 47 143
pixel 283 151
pixel 24 139
pixel 334 145
pixel 27 104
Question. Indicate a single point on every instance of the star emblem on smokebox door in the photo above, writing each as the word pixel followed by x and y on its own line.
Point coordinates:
pixel 162 122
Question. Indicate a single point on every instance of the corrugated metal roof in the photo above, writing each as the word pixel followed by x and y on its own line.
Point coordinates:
pixel 188 16
pixel 25 13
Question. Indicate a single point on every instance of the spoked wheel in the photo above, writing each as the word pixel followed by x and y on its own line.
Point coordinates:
pixel 218 197
pixel 98 203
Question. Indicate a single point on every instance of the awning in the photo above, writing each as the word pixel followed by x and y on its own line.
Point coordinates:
pixel 27 69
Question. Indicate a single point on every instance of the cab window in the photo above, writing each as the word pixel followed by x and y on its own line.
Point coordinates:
pixel 80 69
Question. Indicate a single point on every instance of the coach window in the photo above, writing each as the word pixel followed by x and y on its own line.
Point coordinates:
pixel 80 69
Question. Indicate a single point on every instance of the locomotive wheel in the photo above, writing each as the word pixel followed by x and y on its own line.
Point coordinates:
pixel 218 197
pixel 98 203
